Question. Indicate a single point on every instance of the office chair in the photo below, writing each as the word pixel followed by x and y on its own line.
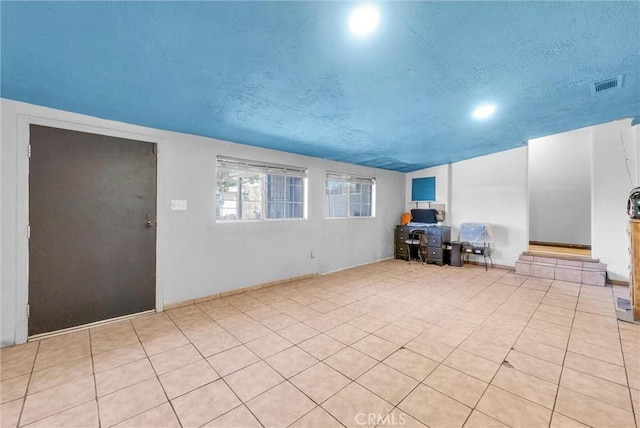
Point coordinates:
pixel 413 242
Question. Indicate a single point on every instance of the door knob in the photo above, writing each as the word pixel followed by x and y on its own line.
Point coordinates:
pixel 151 221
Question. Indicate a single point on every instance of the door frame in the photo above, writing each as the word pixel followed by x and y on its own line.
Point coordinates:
pixel 22 202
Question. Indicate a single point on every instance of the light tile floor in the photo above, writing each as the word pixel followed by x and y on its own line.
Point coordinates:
pixel 388 344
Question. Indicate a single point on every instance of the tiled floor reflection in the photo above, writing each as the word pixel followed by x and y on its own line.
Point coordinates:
pixel 388 344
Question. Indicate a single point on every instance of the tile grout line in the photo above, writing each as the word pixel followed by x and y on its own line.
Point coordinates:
pixel 419 382
pixel 626 372
pixel 58 385
pixel 393 406
pixel 488 316
pixel 146 357
pixel 457 347
pixel 316 405
pixel 26 392
pixel 526 325
pixel 95 380
pixel 157 377
pixel 505 357
pixel 322 361
pixel 589 374
pixel 566 351
pixel 220 377
pixel 296 345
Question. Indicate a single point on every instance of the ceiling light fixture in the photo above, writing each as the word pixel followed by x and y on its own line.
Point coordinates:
pixel 484 111
pixel 364 20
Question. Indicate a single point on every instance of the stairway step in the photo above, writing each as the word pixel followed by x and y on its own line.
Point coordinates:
pixel 577 270
pixel 587 263
pixel 594 278
pixel 523 268
pixel 561 256
pixel 543 270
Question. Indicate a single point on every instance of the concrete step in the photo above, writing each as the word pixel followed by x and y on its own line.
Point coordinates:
pixel 571 269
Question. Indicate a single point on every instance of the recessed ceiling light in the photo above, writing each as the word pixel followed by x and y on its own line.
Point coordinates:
pixel 484 111
pixel 364 20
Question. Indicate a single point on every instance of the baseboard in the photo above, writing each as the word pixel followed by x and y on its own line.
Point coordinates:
pixel 618 282
pixel 559 244
pixel 355 266
pixel 235 291
pixel 481 264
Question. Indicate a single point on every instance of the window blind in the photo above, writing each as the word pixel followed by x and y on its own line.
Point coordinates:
pixel 350 178
pixel 262 167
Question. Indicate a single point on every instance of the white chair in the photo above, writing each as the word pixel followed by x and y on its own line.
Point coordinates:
pixel 476 238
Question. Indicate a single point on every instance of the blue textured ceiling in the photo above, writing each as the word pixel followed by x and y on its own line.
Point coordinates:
pixel 289 76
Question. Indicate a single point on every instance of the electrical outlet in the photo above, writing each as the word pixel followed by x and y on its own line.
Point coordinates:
pixel 178 205
pixel 313 254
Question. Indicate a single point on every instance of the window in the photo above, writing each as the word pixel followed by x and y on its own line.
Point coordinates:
pixel 349 196
pixel 250 190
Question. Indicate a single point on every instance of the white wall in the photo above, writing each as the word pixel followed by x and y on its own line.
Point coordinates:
pixel 560 188
pixel 492 189
pixel 197 256
pixel 615 173
pixel 8 268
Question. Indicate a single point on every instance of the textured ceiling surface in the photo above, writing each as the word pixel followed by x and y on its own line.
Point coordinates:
pixel 289 76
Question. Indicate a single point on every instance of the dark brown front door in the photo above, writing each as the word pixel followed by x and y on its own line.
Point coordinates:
pixel 92 246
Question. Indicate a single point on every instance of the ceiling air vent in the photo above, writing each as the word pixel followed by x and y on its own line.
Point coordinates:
pixel 606 85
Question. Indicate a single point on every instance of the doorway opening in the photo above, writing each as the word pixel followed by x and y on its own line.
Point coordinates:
pixel 560 194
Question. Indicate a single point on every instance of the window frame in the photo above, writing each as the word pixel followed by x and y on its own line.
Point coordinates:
pixel 349 180
pixel 263 170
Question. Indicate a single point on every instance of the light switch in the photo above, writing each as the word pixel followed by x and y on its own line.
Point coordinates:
pixel 178 205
